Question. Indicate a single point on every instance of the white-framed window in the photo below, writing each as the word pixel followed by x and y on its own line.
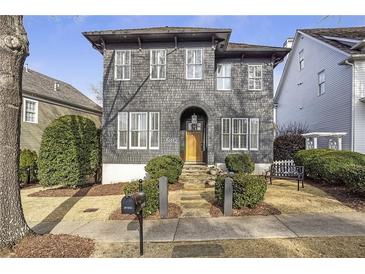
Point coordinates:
pixel 226 134
pixel 138 130
pixel 224 77
pixel 239 133
pixel 254 77
pixel 301 59
pixel 30 111
pixel 321 82
pixel 122 68
pixel 254 133
pixel 122 130
pixel 194 64
pixel 158 64
pixel 154 130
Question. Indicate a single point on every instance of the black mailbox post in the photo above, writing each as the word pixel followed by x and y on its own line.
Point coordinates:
pixel 134 204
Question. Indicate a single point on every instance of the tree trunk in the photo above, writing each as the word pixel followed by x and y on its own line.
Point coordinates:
pixel 13 51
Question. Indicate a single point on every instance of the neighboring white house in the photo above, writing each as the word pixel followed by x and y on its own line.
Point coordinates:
pixel 323 84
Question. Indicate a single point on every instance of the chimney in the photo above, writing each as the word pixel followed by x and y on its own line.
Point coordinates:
pixel 288 43
pixel 56 86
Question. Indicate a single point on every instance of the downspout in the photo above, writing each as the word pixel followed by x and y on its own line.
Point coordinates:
pixel 352 105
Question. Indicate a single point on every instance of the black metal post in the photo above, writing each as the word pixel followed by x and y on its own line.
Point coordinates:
pixel 140 185
pixel 140 219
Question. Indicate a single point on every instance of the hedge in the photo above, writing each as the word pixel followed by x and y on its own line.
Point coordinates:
pixel 239 163
pixel 285 146
pixel 248 190
pixel 166 165
pixel 334 166
pixel 69 151
pixel 150 188
pixel 28 160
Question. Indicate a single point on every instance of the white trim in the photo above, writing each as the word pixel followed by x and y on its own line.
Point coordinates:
pixel 35 111
pixel 150 131
pixel 224 77
pixel 115 173
pixel 247 133
pixel 186 63
pixel 258 134
pixel 118 133
pixel 229 134
pixel 248 77
pixel 320 83
pixel 300 59
pixel 342 39
pixel 158 79
pixel 130 131
pixel 123 65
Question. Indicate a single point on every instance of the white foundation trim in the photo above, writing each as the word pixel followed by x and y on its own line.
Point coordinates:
pixel 116 173
pixel 260 168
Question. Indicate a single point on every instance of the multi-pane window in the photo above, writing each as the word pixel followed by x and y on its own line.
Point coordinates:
pixel 30 111
pixel 194 64
pixel 226 133
pixel 122 65
pixel 254 77
pixel 158 64
pixel 254 134
pixel 239 133
pixel 301 59
pixel 138 130
pixel 154 130
pixel 321 82
pixel 224 76
pixel 122 130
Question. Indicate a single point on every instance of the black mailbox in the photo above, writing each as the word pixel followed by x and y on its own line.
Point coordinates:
pixel 133 204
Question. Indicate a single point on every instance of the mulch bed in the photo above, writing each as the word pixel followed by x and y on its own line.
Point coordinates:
pixel 342 194
pixel 176 186
pixel 90 190
pixel 54 246
pixel 261 209
pixel 174 213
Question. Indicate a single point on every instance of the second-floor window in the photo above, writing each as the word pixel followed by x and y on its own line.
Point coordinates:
pixel 254 77
pixel 30 111
pixel 194 64
pixel 301 59
pixel 122 65
pixel 321 82
pixel 224 76
pixel 158 64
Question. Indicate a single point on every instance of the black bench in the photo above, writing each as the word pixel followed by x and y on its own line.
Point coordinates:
pixel 286 170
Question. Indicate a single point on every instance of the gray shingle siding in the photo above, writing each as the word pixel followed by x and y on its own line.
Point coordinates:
pixel 172 96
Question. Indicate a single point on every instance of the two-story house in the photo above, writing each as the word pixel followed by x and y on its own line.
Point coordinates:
pixel 183 91
pixel 323 86
pixel 46 99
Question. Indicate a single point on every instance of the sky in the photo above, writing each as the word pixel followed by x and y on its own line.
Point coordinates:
pixel 59 50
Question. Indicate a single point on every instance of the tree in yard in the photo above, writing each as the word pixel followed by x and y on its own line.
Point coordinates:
pixel 13 51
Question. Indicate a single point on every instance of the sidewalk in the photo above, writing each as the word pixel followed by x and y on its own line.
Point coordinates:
pixel 223 228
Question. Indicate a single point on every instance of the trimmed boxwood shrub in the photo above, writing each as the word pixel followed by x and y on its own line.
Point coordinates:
pixel 28 160
pixel 334 166
pixel 69 151
pixel 239 163
pixel 166 165
pixel 248 190
pixel 286 146
pixel 150 188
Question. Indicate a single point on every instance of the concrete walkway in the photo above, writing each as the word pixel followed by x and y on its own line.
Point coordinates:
pixel 223 228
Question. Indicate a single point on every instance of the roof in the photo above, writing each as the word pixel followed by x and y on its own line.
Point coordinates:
pixel 327 35
pixel 39 85
pixel 246 47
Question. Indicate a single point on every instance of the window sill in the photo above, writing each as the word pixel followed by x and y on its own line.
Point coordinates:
pixel 122 80
pixel 157 79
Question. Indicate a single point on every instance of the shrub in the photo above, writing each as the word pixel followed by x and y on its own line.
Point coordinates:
pixel 248 190
pixel 333 166
pixel 69 151
pixel 285 146
pixel 28 159
pixel 166 165
pixel 240 163
pixel 150 188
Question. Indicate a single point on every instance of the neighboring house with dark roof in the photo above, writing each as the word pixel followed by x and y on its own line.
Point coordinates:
pixel 323 85
pixel 183 91
pixel 46 99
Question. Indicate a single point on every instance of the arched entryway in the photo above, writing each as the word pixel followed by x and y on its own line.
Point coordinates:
pixel 193 135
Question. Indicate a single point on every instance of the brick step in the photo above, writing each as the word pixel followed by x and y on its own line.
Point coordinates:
pixel 194 213
pixel 203 204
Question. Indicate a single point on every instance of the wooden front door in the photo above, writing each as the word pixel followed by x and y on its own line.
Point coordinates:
pixel 193 146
